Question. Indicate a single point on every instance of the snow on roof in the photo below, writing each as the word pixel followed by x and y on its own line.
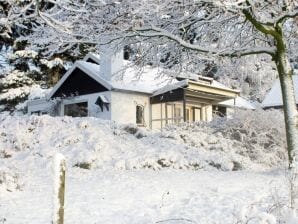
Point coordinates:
pixel 93 56
pixel 239 102
pixel 274 98
pixel 146 80
pixel 170 87
pixel 151 81
pixel 130 79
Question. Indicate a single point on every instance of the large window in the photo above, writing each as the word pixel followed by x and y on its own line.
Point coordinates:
pixel 76 109
pixel 140 115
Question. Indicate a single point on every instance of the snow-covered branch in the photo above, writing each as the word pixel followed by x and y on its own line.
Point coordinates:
pixel 285 16
pixel 233 52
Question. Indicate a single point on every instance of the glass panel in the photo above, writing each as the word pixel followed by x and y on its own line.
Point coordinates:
pixel 169 111
pixel 76 109
pixel 197 113
pixel 140 114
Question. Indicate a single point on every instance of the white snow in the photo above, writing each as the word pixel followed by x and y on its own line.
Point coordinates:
pixel 125 174
pixel 19 92
pixel 15 77
pixel 52 63
pixel 239 102
pixel 132 79
pixel 274 98
pixel 38 93
pixel 23 54
pixel 147 80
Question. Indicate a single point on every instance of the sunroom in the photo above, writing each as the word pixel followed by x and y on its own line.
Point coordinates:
pixel 187 101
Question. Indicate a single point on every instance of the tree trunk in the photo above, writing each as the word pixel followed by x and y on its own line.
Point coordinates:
pixel 291 121
pixel 289 105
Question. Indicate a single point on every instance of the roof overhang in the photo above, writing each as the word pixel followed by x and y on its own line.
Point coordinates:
pixel 195 93
pixel 214 93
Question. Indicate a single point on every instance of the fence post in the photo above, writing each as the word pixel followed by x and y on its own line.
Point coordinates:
pixel 59 166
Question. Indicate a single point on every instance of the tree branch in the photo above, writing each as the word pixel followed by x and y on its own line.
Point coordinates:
pixel 283 17
pixel 264 28
pixel 147 32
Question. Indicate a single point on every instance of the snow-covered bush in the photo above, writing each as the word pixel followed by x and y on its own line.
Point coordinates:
pixel 258 135
pixel 133 129
pixel 9 181
pixel 259 132
pixel 251 140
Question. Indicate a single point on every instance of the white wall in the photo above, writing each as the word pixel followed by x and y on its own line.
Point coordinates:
pixel 124 104
pixel 93 109
pixel 38 105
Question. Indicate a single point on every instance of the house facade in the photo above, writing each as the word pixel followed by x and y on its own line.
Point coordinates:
pixel 109 88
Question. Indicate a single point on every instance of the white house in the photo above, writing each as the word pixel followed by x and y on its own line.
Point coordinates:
pixel 105 87
pixel 273 99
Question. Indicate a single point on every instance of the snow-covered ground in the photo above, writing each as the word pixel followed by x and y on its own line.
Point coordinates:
pixel 146 196
pixel 192 173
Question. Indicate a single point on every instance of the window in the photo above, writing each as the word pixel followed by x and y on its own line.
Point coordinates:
pixel 36 112
pixel 76 109
pixel 140 115
pixel 102 102
pixel 219 111
pixel 177 112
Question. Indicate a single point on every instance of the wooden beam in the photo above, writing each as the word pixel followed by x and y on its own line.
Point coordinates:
pixel 206 97
pixel 212 90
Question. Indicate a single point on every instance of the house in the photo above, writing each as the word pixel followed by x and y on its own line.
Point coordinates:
pixel 106 87
pixel 273 99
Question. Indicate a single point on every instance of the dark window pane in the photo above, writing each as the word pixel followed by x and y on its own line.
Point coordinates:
pixel 76 109
pixel 140 114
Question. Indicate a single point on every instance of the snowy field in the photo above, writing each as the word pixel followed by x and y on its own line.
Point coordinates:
pixel 147 196
pixel 122 174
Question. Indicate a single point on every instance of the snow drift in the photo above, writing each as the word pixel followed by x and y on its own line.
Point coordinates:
pixel 251 140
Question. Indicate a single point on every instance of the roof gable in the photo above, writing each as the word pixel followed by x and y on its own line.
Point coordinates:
pixel 78 83
pixel 81 74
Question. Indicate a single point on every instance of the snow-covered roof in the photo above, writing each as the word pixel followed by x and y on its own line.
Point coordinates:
pixel 274 98
pixel 170 87
pixel 239 102
pixel 148 80
pixel 130 79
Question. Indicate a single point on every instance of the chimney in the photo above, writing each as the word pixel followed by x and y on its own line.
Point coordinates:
pixel 111 62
